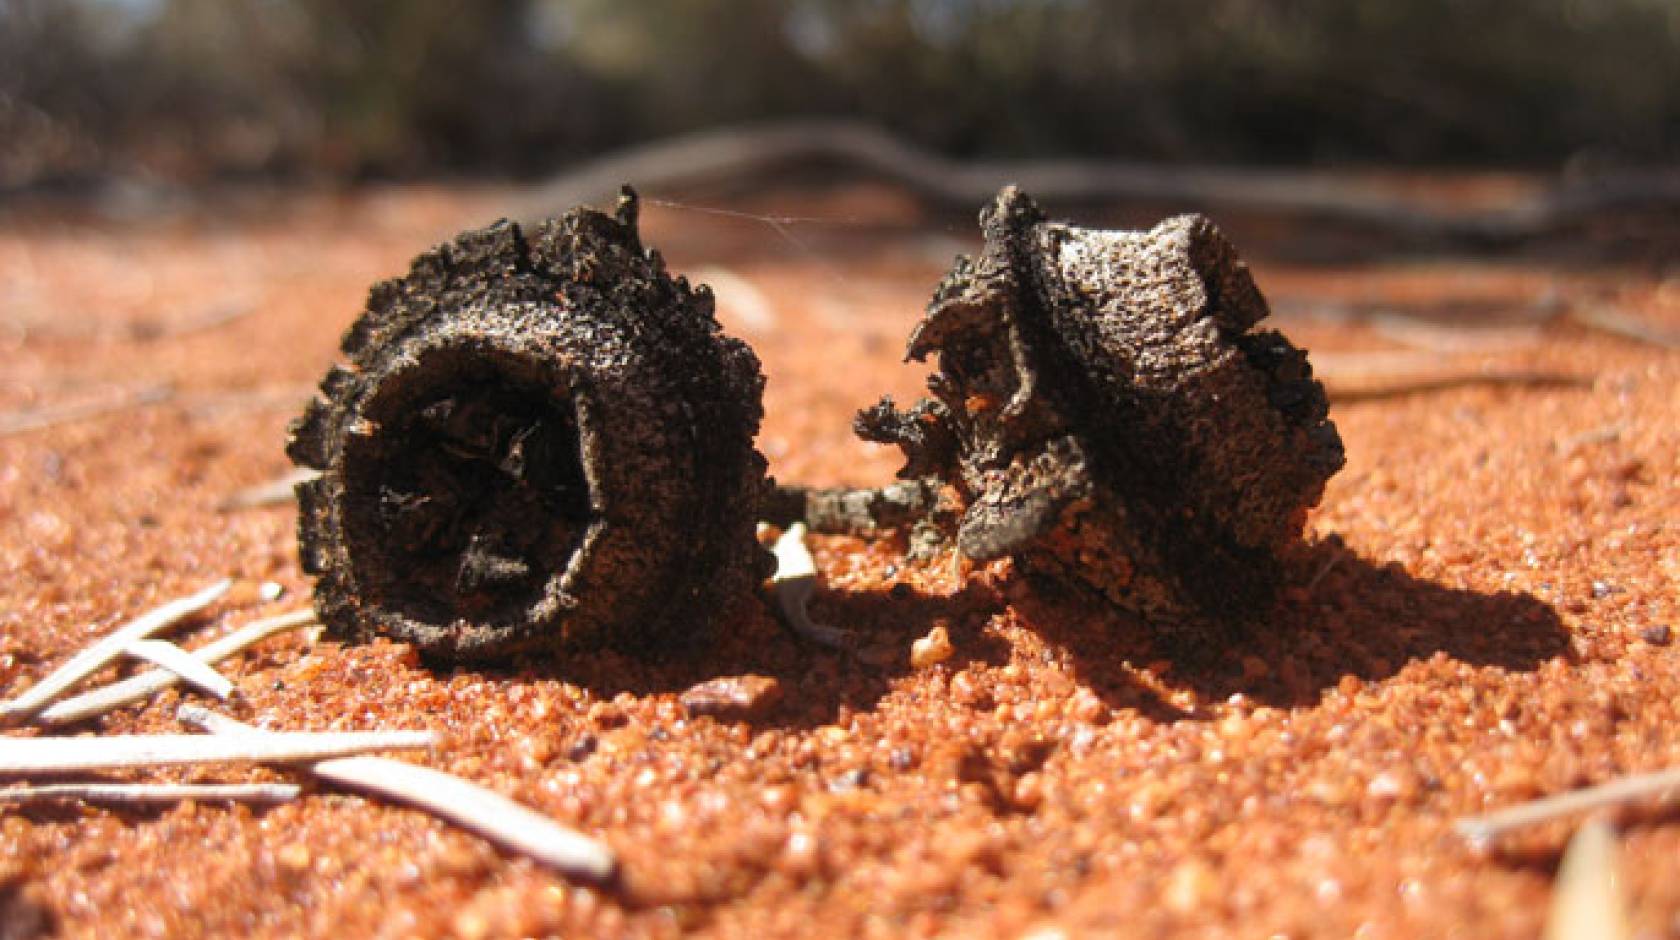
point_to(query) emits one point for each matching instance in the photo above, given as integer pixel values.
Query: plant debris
(28, 756)
(1587, 898)
(491, 815)
(1481, 830)
(141, 794)
(108, 648)
(1109, 416)
(146, 684)
(186, 667)
(538, 439)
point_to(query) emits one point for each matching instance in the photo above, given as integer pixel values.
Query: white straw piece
(145, 685)
(794, 583)
(1481, 830)
(1588, 900)
(277, 492)
(142, 794)
(186, 667)
(502, 821)
(21, 757)
(108, 648)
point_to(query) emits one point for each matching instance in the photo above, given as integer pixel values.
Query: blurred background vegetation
(194, 90)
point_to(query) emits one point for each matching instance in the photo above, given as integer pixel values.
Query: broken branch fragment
(491, 815)
(1109, 416)
(540, 438)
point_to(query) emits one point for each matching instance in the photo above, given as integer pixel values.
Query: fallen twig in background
(108, 648)
(36, 419)
(1587, 897)
(210, 318)
(28, 756)
(489, 814)
(1481, 830)
(146, 684)
(794, 582)
(1621, 325)
(752, 152)
(141, 794)
(1349, 377)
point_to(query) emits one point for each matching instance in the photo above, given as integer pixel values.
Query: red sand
(1493, 570)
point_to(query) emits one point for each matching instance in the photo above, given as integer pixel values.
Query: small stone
(1657, 635)
(294, 858)
(734, 698)
(931, 649)
(1190, 887)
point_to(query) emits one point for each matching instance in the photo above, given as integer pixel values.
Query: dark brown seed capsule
(536, 440)
(1108, 413)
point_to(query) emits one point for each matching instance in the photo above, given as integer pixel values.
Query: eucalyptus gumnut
(1105, 412)
(538, 439)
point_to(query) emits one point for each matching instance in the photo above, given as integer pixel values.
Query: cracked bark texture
(1110, 416)
(538, 439)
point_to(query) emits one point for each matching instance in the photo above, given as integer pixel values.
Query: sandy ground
(1484, 614)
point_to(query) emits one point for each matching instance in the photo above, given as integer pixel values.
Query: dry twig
(276, 492)
(1587, 899)
(1483, 829)
(22, 757)
(140, 794)
(1615, 323)
(36, 419)
(751, 152)
(102, 652)
(491, 815)
(135, 688)
(186, 667)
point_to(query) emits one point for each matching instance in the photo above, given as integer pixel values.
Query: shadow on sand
(1342, 616)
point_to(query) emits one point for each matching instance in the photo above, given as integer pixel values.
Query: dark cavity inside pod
(536, 441)
(1106, 412)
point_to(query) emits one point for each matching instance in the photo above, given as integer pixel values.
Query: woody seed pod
(1106, 413)
(536, 441)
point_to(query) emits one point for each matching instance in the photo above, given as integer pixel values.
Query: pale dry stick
(40, 418)
(794, 582)
(108, 648)
(1349, 377)
(739, 297)
(1587, 898)
(21, 757)
(485, 812)
(142, 794)
(275, 492)
(186, 667)
(146, 684)
(1480, 830)
(1623, 326)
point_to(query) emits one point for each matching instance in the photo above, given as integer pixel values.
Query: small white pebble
(931, 649)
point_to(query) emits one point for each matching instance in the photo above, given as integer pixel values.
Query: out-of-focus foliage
(189, 88)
